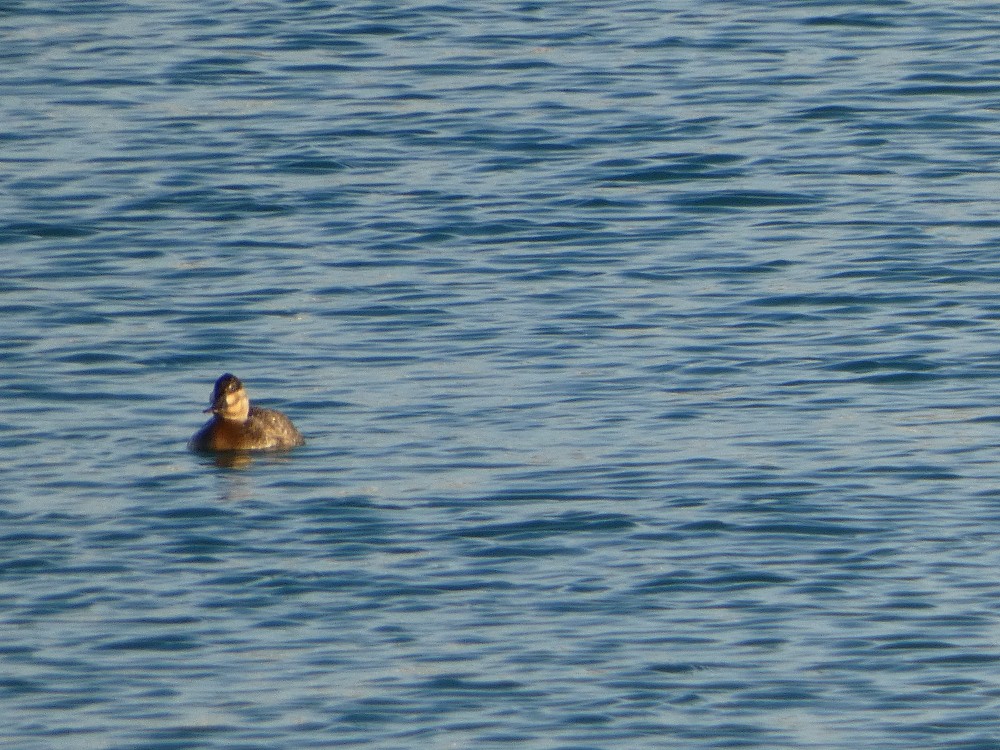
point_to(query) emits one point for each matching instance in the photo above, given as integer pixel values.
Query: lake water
(646, 351)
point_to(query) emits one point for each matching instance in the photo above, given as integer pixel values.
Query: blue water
(647, 354)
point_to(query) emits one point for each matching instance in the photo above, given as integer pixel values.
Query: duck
(238, 425)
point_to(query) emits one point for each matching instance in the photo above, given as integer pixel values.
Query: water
(646, 353)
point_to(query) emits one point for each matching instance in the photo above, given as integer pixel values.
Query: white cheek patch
(236, 406)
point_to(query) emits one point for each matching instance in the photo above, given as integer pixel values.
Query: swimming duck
(238, 425)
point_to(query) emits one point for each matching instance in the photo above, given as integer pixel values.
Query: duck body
(237, 425)
(263, 429)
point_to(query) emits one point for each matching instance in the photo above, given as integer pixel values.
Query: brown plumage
(238, 425)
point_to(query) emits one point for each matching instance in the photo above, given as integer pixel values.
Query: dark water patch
(90, 359)
(681, 170)
(468, 685)
(834, 113)
(746, 580)
(678, 668)
(913, 471)
(851, 20)
(847, 301)
(218, 318)
(216, 205)
(947, 89)
(204, 547)
(214, 70)
(888, 268)
(24, 565)
(310, 165)
(518, 551)
(540, 494)
(741, 199)
(907, 363)
(809, 529)
(901, 378)
(960, 660)
(194, 513)
(22, 231)
(705, 527)
(916, 645)
(421, 597)
(908, 605)
(16, 687)
(677, 581)
(389, 311)
(168, 643)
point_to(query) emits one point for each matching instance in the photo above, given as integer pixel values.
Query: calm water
(647, 353)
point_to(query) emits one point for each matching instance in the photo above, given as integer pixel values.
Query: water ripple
(643, 356)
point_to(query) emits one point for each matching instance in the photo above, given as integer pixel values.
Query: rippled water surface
(646, 351)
